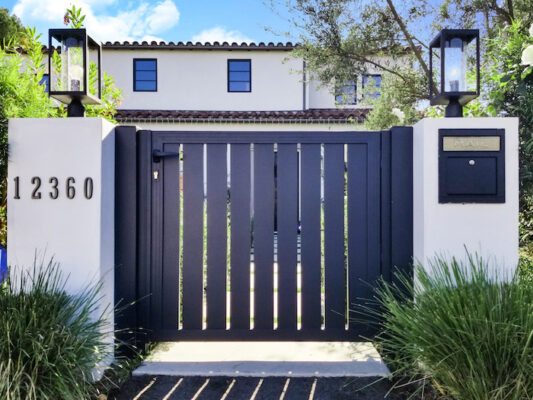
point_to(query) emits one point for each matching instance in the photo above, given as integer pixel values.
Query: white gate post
(61, 187)
(490, 230)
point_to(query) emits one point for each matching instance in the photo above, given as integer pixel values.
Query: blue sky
(168, 20)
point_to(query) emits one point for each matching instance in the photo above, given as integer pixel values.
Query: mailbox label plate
(471, 143)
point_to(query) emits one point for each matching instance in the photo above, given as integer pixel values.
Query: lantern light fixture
(70, 78)
(456, 82)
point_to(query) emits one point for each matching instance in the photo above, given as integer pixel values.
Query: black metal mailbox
(471, 166)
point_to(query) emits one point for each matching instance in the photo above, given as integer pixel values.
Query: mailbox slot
(471, 166)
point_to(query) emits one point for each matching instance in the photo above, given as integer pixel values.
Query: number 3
(55, 194)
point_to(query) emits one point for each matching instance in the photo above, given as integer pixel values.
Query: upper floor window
(346, 93)
(45, 80)
(373, 85)
(239, 75)
(145, 75)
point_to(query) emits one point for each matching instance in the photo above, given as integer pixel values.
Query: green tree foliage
(23, 96)
(10, 26)
(488, 14)
(342, 39)
(510, 83)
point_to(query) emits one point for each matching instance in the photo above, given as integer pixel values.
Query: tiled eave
(314, 116)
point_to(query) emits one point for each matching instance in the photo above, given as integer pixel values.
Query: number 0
(88, 188)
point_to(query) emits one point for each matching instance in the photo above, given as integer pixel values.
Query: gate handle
(157, 155)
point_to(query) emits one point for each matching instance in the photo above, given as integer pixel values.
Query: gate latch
(157, 155)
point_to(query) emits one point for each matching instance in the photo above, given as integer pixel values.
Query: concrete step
(264, 359)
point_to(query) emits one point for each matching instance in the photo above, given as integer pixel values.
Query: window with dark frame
(367, 79)
(239, 75)
(346, 93)
(145, 75)
(45, 80)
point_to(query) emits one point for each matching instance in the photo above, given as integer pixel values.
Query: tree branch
(409, 38)
(376, 64)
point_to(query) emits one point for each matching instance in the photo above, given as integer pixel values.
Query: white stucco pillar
(61, 201)
(490, 230)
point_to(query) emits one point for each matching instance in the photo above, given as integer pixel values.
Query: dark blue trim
(482, 182)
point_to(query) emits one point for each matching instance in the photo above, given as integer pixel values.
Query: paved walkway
(265, 359)
(220, 388)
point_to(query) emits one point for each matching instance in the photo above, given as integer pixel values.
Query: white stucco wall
(197, 80)
(78, 232)
(490, 230)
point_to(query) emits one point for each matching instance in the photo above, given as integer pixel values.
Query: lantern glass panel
(56, 81)
(454, 65)
(435, 72)
(72, 64)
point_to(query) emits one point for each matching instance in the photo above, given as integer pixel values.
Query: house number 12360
(55, 188)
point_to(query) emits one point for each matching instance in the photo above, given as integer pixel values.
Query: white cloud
(220, 34)
(139, 22)
(164, 16)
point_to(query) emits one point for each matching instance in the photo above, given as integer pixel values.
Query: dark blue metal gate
(260, 235)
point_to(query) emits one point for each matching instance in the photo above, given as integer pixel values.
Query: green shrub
(50, 341)
(468, 333)
(525, 265)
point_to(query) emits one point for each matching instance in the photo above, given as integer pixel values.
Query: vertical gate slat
(240, 182)
(357, 223)
(386, 269)
(311, 249)
(373, 271)
(287, 200)
(373, 233)
(335, 275)
(171, 224)
(216, 235)
(156, 259)
(263, 236)
(193, 204)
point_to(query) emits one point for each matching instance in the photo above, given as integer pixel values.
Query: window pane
(375, 78)
(348, 90)
(239, 76)
(145, 85)
(346, 93)
(145, 75)
(239, 86)
(239, 65)
(372, 81)
(46, 81)
(145, 65)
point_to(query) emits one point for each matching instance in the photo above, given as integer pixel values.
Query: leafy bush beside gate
(49, 340)
(467, 334)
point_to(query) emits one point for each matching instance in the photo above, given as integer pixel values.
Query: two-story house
(222, 86)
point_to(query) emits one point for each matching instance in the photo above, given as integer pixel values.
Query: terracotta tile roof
(191, 46)
(334, 116)
(199, 45)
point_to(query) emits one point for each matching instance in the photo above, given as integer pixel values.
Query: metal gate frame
(134, 244)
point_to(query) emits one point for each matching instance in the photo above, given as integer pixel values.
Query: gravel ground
(220, 388)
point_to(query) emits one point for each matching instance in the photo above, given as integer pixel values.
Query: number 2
(36, 194)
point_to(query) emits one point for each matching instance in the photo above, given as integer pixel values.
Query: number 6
(71, 190)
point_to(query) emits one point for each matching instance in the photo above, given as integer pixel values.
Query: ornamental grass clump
(462, 328)
(50, 341)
